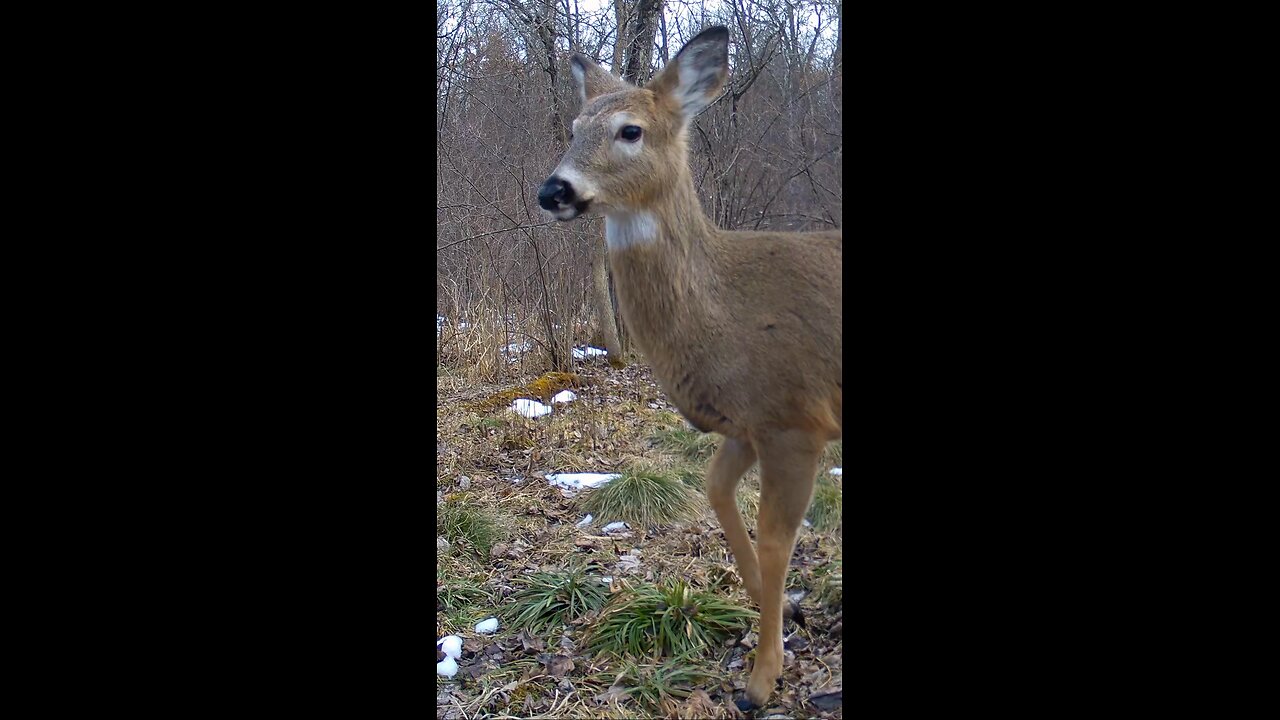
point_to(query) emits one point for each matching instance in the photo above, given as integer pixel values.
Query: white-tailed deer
(742, 329)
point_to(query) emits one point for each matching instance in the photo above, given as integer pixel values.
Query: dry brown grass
(610, 426)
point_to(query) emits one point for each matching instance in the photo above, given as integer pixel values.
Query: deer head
(629, 143)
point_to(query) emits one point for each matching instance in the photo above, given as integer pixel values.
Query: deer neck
(662, 270)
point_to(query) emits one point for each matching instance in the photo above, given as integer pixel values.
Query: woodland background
(767, 154)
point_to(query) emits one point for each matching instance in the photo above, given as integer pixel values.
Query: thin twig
(495, 232)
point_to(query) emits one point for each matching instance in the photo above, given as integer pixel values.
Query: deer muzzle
(558, 197)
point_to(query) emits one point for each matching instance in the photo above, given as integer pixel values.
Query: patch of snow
(588, 352)
(530, 408)
(837, 471)
(487, 626)
(616, 527)
(606, 579)
(807, 523)
(518, 347)
(585, 521)
(564, 396)
(577, 481)
(452, 646)
(447, 667)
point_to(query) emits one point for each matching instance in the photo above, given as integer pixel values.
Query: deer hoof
(744, 704)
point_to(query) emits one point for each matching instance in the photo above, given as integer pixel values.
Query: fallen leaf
(530, 643)
(828, 700)
(614, 694)
(697, 705)
(559, 666)
(814, 676)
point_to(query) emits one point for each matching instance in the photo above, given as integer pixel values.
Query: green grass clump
(455, 591)
(656, 688)
(671, 619)
(687, 443)
(825, 511)
(829, 582)
(642, 497)
(549, 599)
(693, 476)
(466, 526)
(462, 595)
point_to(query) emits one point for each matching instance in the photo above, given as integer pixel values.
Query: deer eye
(630, 133)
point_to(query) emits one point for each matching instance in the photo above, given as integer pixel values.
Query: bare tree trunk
(620, 18)
(545, 26)
(606, 314)
(641, 32)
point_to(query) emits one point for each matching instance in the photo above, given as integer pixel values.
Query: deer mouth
(565, 212)
(573, 210)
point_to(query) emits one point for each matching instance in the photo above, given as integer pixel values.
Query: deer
(742, 329)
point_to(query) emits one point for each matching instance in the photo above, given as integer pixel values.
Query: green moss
(543, 389)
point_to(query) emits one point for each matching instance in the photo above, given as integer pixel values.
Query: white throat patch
(625, 229)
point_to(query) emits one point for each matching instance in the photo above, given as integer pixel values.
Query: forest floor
(508, 523)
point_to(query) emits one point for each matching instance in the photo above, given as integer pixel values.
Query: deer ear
(590, 79)
(695, 76)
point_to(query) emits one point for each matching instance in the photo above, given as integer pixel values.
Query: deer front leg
(732, 460)
(788, 464)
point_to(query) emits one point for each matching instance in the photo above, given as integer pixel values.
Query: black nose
(554, 193)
